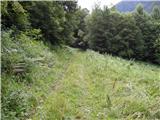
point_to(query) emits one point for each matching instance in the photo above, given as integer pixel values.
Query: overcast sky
(90, 3)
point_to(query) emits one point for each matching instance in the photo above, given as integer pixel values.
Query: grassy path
(64, 83)
(97, 87)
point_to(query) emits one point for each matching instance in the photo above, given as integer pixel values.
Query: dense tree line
(57, 20)
(129, 35)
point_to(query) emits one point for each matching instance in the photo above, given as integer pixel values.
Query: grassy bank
(66, 83)
(98, 86)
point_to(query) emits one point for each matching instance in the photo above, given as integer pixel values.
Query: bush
(13, 14)
(14, 105)
(18, 50)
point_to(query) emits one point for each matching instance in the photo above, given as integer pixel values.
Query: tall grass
(104, 87)
(66, 83)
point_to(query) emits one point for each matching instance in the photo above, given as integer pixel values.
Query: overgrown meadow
(66, 83)
(60, 62)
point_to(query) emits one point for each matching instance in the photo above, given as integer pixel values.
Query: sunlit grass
(67, 84)
(104, 87)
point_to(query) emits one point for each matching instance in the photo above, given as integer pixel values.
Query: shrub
(14, 105)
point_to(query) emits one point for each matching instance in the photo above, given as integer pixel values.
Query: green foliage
(13, 13)
(56, 19)
(128, 42)
(80, 31)
(71, 22)
(14, 105)
(139, 9)
(21, 92)
(95, 36)
(121, 38)
(150, 31)
(42, 16)
(156, 13)
(35, 34)
(157, 50)
(15, 50)
(130, 35)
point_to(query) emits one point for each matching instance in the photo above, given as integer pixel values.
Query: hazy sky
(90, 3)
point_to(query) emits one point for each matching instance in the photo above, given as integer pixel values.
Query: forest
(63, 62)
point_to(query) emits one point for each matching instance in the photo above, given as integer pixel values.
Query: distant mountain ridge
(129, 6)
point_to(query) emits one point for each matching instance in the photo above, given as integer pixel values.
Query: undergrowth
(23, 92)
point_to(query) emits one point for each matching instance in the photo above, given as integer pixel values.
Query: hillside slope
(98, 86)
(129, 6)
(67, 83)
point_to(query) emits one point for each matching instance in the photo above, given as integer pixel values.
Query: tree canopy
(128, 35)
